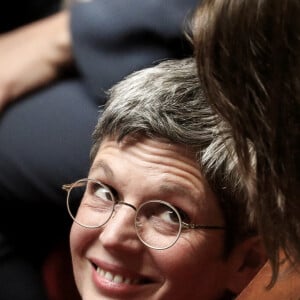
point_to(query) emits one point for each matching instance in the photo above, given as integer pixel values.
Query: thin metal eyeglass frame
(182, 225)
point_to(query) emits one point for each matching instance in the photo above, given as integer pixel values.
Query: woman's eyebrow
(171, 188)
(104, 167)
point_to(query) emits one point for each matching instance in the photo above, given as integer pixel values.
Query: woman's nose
(119, 232)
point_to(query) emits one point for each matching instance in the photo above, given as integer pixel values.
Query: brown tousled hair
(248, 56)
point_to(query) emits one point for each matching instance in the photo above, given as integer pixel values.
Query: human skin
(33, 55)
(194, 268)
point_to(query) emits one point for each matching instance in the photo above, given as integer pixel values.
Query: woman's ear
(245, 260)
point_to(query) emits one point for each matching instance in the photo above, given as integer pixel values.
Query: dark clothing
(45, 141)
(118, 37)
(45, 138)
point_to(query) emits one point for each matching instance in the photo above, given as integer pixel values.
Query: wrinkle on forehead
(172, 160)
(158, 151)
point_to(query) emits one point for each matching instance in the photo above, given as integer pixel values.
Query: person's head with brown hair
(248, 56)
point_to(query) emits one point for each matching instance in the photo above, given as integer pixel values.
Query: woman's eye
(169, 216)
(102, 192)
(183, 215)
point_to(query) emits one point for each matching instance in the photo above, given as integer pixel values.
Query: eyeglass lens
(157, 224)
(91, 205)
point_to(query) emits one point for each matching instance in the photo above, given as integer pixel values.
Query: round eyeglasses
(158, 224)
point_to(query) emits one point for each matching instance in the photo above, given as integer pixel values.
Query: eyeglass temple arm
(195, 226)
(66, 187)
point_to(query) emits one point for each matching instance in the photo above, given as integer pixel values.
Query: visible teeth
(115, 278)
(118, 279)
(109, 276)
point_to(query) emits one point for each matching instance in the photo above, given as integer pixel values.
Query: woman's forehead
(168, 168)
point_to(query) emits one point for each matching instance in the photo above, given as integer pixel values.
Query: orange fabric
(287, 286)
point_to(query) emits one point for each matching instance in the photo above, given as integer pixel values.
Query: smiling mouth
(120, 279)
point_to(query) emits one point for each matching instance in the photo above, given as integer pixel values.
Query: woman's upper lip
(123, 271)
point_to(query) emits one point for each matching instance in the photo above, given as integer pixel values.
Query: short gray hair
(167, 101)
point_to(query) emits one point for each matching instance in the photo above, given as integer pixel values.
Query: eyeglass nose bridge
(122, 203)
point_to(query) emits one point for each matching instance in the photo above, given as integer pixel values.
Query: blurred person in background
(52, 77)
